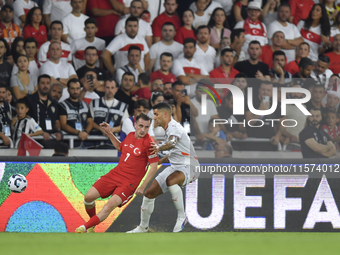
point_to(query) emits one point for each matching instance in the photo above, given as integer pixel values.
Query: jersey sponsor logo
(137, 151)
(123, 194)
(311, 36)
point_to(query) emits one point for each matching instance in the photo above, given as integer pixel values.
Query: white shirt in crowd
(322, 78)
(61, 70)
(253, 35)
(120, 45)
(213, 5)
(227, 5)
(57, 9)
(128, 127)
(334, 31)
(78, 50)
(155, 8)
(182, 66)
(21, 7)
(200, 20)
(74, 26)
(43, 55)
(120, 72)
(207, 58)
(312, 37)
(32, 69)
(291, 32)
(144, 28)
(158, 48)
(203, 120)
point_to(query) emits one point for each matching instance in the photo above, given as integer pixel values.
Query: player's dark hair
(324, 58)
(131, 19)
(141, 102)
(143, 116)
(30, 40)
(177, 83)
(74, 80)
(225, 50)
(189, 40)
(305, 62)
(43, 76)
(175, 1)
(278, 53)
(315, 109)
(23, 101)
(236, 32)
(155, 95)
(57, 22)
(21, 55)
(167, 54)
(254, 42)
(129, 74)
(3, 85)
(134, 47)
(241, 75)
(163, 106)
(90, 21)
(90, 48)
(168, 24)
(144, 78)
(110, 79)
(61, 148)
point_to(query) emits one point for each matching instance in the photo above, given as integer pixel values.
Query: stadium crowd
(67, 66)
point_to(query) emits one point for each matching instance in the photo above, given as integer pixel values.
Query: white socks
(146, 211)
(177, 198)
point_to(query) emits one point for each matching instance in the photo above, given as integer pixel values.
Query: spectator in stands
(269, 12)
(292, 34)
(215, 136)
(332, 10)
(30, 47)
(335, 28)
(74, 23)
(107, 13)
(334, 55)
(56, 91)
(88, 94)
(5, 67)
(91, 58)
(9, 30)
(21, 9)
(134, 58)
(201, 17)
(144, 87)
(225, 112)
(225, 70)
(34, 26)
(237, 39)
(253, 67)
(263, 101)
(6, 116)
(332, 101)
(157, 86)
(56, 31)
(44, 110)
(23, 83)
(9, 96)
(60, 72)
(219, 27)
(278, 70)
(254, 28)
(60, 150)
(120, 45)
(136, 9)
(108, 109)
(124, 92)
(331, 127)
(224, 43)
(169, 15)
(224, 151)
(203, 49)
(79, 46)
(75, 114)
(317, 94)
(321, 73)
(239, 12)
(187, 30)
(186, 68)
(268, 50)
(18, 48)
(211, 6)
(55, 10)
(315, 30)
(240, 81)
(167, 90)
(22, 123)
(163, 73)
(306, 67)
(167, 44)
(315, 143)
(300, 10)
(302, 52)
(291, 134)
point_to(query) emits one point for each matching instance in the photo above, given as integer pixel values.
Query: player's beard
(168, 96)
(313, 123)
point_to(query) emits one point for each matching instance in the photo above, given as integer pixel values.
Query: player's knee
(89, 198)
(149, 194)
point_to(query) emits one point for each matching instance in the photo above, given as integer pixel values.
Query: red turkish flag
(28, 146)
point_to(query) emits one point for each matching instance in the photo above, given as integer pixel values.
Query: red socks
(92, 222)
(91, 212)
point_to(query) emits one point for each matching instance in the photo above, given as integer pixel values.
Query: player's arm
(171, 143)
(105, 128)
(148, 178)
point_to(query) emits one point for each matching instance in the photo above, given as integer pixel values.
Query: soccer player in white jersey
(183, 160)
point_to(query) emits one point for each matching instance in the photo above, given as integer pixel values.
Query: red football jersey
(165, 78)
(334, 65)
(135, 159)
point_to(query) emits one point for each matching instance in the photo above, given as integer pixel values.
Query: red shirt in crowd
(334, 65)
(218, 73)
(142, 93)
(292, 67)
(267, 56)
(165, 78)
(106, 24)
(160, 20)
(183, 34)
(40, 35)
(300, 9)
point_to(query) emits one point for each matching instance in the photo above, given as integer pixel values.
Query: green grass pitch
(169, 243)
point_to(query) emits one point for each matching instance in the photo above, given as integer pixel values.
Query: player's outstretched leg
(113, 202)
(90, 204)
(147, 207)
(174, 181)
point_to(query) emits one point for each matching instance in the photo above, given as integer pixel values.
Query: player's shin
(90, 208)
(146, 211)
(177, 198)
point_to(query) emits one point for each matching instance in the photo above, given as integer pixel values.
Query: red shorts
(107, 185)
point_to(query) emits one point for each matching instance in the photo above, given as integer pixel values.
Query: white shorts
(188, 170)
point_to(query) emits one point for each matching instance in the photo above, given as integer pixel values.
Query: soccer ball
(17, 183)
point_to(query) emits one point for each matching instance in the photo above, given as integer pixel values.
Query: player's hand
(140, 190)
(105, 128)
(154, 148)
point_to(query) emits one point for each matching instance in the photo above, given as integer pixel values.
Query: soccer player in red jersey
(122, 181)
